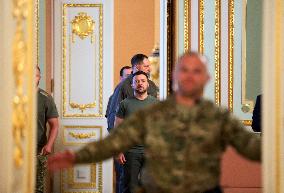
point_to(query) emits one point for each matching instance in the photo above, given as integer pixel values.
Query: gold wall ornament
(83, 26)
(82, 107)
(19, 63)
(71, 175)
(82, 135)
(64, 60)
(246, 108)
(154, 59)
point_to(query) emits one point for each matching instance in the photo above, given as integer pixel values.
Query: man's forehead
(139, 76)
(192, 60)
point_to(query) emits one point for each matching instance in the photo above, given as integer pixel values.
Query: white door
(83, 64)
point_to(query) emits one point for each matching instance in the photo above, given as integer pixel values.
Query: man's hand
(61, 160)
(121, 159)
(46, 150)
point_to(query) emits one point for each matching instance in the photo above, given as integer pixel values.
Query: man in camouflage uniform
(46, 113)
(184, 137)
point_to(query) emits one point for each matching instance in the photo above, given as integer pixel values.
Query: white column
(273, 68)
(6, 85)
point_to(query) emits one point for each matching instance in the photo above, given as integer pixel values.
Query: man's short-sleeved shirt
(46, 109)
(131, 105)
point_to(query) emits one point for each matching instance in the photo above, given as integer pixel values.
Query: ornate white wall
(83, 65)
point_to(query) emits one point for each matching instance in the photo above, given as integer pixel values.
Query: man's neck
(187, 100)
(141, 96)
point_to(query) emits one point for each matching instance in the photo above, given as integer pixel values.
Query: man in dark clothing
(133, 159)
(110, 115)
(256, 116)
(139, 62)
(125, 71)
(46, 113)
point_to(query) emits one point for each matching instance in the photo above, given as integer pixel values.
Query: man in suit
(256, 116)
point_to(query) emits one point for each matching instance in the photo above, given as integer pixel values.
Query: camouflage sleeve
(246, 143)
(128, 134)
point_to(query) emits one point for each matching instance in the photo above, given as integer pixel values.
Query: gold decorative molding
(231, 52)
(82, 107)
(187, 25)
(217, 56)
(20, 100)
(201, 26)
(82, 135)
(96, 170)
(247, 122)
(83, 26)
(247, 105)
(278, 108)
(92, 184)
(155, 65)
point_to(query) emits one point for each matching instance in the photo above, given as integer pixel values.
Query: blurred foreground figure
(184, 137)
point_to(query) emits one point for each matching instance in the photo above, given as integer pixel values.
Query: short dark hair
(137, 59)
(122, 69)
(139, 73)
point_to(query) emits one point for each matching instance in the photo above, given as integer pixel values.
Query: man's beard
(141, 91)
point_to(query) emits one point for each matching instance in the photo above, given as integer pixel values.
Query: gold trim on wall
(83, 26)
(98, 185)
(64, 50)
(278, 93)
(201, 26)
(247, 105)
(81, 135)
(231, 52)
(187, 25)
(20, 65)
(83, 185)
(37, 30)
(217, 57)
(66, 127)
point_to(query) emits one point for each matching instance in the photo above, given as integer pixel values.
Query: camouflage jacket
(183, 146)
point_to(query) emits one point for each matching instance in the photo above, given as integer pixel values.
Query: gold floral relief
(20, 99)
(83, 26)
(82, 135)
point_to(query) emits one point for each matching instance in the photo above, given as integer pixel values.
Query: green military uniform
(46, 109)
(183, 146)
